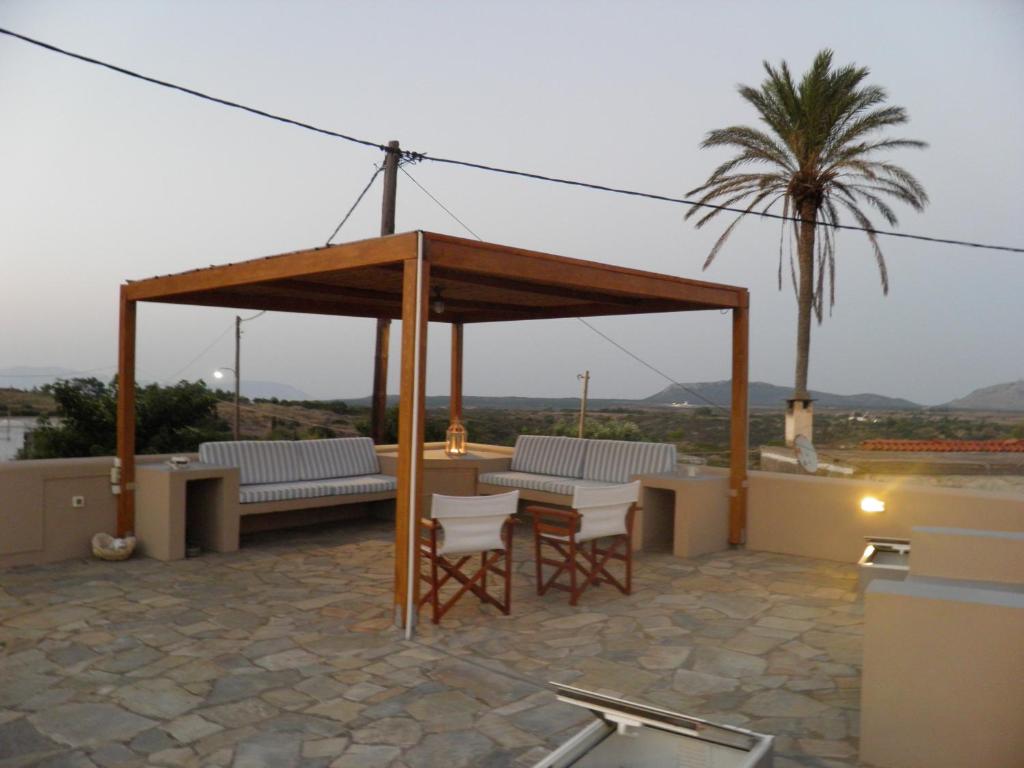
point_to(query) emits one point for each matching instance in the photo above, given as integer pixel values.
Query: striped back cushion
(616, 461)
(258, 461)
(544, 455)
(337, 457)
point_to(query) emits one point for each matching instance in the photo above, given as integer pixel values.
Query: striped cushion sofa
(549, 468)
(280, 475)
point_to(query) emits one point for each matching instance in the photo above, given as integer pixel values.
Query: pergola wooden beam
(411, 421)
(455, 394)
(516, 264)
(390, 277)
(126, 416)
(364, 253)
(739, 426)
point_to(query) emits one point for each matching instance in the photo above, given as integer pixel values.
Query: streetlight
(219, 373)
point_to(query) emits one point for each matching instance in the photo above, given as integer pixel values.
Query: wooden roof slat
(464, 255)
(381, 250)
(479, 282)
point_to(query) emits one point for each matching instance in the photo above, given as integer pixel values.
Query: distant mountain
(264, 390)
(764, 395)
(27, 377)
(511, 403)
(1000, 397)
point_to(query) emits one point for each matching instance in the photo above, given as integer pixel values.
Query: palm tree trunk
(805, 296)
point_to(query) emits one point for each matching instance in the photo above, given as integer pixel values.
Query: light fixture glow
(871, 504)
(437, 302)
(455, 439)
(218, 374)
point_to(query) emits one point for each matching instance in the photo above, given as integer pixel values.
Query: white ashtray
(179, 462)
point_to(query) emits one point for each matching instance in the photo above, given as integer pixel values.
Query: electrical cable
(441, 205)
(588, 325)
(206, 349)
(661, 373)
(422, 156)
(359, 199)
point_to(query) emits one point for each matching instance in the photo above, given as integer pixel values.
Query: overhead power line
(440, 205)
(603, 335)
(173, 377)
(417, 156)
(359, 199)
(658, 371)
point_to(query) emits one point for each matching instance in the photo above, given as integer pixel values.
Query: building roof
(477, 282)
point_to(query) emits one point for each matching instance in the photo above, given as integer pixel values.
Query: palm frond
(818, 145)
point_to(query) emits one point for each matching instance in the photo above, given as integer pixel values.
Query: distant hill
(27, 377)
(511, 403)
(263, 389)
(1000, 397)
(764, 395)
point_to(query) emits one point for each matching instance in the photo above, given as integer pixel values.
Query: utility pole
(238, 373)
(379, 398)
(585, 378)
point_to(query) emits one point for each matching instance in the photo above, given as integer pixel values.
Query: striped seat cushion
(315, 489)
(258, 461)
(617, 461)
(563, 486)
(546, 455)
(337, 457)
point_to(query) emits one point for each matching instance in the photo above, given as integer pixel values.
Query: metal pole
(585, 378)
(238, 371)
(378, 400)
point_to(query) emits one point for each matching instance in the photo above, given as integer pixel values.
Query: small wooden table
(201, 499)
(449, 476)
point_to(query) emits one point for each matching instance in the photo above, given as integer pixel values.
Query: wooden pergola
(400, 277)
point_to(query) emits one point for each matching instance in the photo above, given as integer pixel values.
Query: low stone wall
(809, 516)
(821, 517)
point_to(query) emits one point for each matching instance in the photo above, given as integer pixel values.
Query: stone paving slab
(283, 654)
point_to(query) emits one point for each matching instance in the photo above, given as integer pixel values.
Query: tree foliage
(168, 420)
(821, 156)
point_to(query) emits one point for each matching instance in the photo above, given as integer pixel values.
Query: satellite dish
(806, 456)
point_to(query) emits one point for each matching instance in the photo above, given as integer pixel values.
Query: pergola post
(738, 433)
(379, 399)
(411, 420)
(455, 399)
(126, 416)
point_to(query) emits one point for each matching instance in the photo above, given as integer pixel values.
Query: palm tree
(819, 157)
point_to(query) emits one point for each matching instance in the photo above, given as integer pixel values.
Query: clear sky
(106, 179)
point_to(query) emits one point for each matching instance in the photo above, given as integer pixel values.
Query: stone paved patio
(283, 654)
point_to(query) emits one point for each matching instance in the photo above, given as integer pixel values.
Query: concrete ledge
(967, 554)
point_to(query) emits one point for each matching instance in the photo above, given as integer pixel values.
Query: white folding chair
(468, 525)
(598, 513)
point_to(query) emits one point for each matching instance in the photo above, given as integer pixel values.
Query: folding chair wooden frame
(442, 568)
(585, 563)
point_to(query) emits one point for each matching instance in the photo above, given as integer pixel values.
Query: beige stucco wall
(971, 555)
(38, 523)
(821, 517)
(943, 679)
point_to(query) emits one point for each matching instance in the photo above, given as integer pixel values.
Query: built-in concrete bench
(548, 469)
(283, 475)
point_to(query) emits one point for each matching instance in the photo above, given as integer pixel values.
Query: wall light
(872, 505)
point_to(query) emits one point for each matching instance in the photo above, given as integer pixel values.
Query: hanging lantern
(455, 439)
